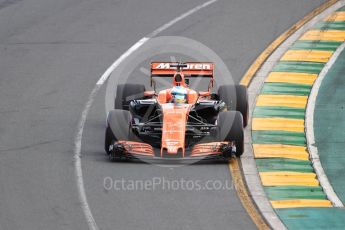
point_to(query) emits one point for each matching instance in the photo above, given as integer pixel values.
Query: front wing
(140, 150)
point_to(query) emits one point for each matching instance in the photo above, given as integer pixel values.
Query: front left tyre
(118, 129)
(235, 98)
(230, 126)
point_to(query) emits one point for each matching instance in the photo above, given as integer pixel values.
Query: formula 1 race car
(177, 122)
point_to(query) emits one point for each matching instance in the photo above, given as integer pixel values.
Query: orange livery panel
(174, 128)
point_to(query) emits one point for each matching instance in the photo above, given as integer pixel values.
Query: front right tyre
(230, 126)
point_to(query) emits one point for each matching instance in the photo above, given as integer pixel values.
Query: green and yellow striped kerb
(278, 131)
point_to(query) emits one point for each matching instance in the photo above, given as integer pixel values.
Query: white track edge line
(309, 121)
(79, 135)
(142, 41)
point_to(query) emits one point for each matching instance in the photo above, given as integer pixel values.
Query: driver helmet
(179, 95)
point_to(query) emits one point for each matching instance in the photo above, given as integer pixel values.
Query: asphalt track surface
(52, 54)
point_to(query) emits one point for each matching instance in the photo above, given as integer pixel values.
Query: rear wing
(192, 69)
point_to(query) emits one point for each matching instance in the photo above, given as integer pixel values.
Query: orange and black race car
(177, 122)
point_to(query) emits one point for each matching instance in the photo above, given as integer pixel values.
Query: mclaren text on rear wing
(168, 69)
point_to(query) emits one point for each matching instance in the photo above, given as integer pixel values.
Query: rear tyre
(125, 93)
(237, 100)
(230, 125)
(118, 129)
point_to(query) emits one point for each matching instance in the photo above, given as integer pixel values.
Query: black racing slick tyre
(125, 93)
(235, 98)
(118, 128)
(230, 125)
(109, 139)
